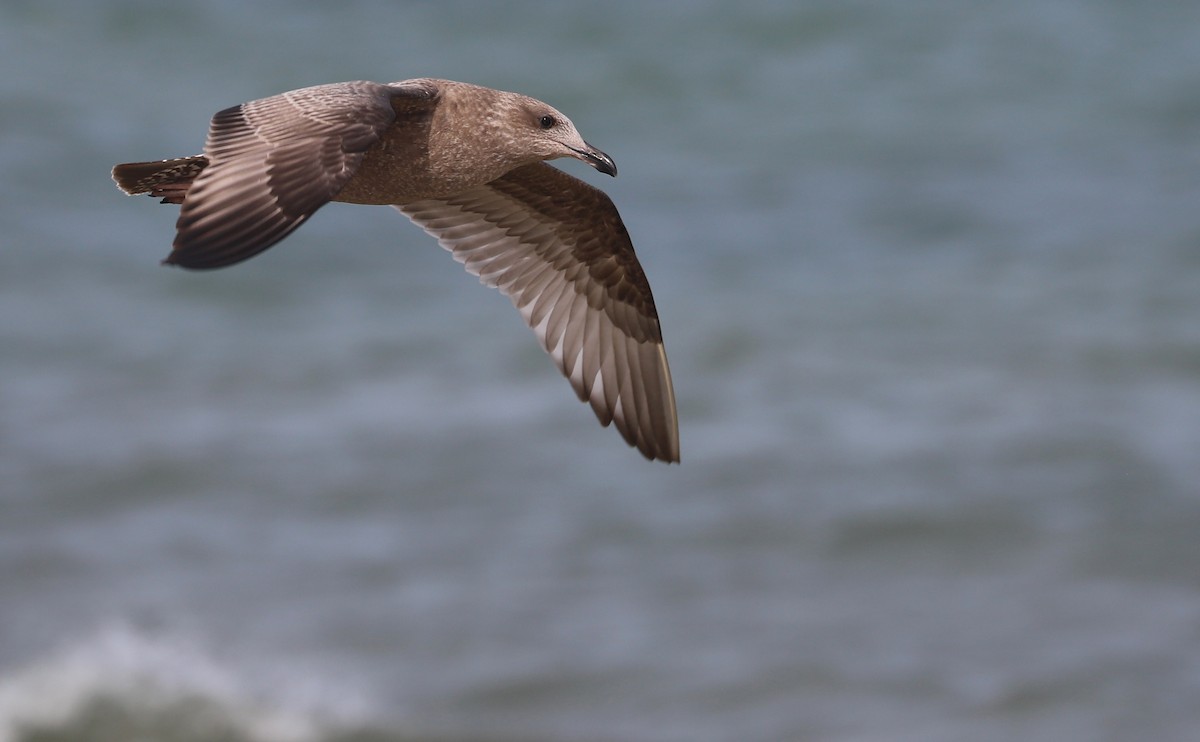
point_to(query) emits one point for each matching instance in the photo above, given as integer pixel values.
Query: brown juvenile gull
(465, 163)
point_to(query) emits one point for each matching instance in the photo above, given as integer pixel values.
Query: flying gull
(465, 163)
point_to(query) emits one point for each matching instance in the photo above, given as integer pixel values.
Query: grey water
(929, 278)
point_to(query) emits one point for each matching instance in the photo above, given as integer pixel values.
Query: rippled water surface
(929, 278)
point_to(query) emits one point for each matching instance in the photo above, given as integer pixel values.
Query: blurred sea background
(929, 278)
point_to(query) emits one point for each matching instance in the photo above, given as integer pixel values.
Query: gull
(466, 164)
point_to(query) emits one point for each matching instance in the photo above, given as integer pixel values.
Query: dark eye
(547, 122)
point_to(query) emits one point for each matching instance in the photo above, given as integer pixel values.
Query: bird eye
(547, 122)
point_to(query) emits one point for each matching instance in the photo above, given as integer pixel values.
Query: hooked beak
(596, 159)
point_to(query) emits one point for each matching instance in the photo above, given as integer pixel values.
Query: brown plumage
(464, 163)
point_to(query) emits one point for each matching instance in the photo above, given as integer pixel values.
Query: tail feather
(165, 179)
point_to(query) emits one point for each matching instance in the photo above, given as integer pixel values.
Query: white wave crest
(145, 671)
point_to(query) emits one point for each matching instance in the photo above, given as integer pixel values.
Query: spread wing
(557, 248)
(273, 162)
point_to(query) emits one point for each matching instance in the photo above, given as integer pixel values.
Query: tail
(165, 179)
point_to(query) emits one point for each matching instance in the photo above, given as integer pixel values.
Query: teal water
(929, 277)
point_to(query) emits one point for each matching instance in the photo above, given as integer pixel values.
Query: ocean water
(929, 278)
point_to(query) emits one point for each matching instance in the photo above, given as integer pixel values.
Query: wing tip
(664, 451)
